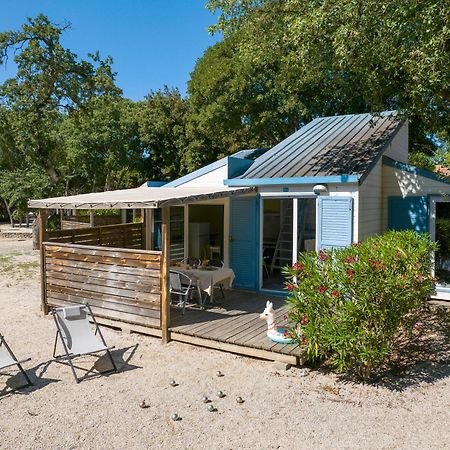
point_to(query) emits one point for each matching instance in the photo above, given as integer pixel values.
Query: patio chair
(218, 263)
(8, 359)
(78, 336)
(182, 286)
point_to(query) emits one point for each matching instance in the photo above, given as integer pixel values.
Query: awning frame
(59, 203)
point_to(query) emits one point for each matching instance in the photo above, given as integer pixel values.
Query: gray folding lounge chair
(78, 336)
(8, 359)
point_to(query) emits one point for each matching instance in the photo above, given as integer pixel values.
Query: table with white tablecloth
(206, 278)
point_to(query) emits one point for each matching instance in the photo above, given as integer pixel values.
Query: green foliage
(101, 145)
(349, 304)
(347, 56)
(162, 119)
(443, 231)
(422, 160)
(50, 81)
(19, 185)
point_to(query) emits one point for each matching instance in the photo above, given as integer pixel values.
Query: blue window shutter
(335, 227)
(409, 213)
(244, 237)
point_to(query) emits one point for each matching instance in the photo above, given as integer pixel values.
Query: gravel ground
(295, 409)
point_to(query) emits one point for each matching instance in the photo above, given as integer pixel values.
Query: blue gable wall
(409, 213)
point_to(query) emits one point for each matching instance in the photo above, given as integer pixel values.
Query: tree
(102, 147)
(162, 119)
(342, 56)
(50, 85)
(50, 82)
(236, 105)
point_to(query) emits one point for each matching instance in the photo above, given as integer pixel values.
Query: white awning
(142, 197)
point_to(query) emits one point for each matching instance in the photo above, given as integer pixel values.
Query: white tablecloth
(206, 279)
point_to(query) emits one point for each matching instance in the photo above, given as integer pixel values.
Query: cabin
(336, 181)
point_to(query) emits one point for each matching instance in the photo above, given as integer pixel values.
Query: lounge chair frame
(68, 355)
(16, 362)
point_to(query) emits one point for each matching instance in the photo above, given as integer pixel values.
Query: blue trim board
(442, 289)
(415, 170)
(273, 292)
(237, 166)
(156, 183)
(288, 181)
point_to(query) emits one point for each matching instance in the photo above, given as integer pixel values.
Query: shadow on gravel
(15, 382)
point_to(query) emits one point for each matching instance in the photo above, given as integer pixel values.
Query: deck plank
(235, 323)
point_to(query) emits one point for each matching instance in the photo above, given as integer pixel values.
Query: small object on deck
(175, 417)
(276, 334)
(205, 399)
(219, 373)
(173, 383)
(211, 408)
(143, 404)
(220, 394)
(239, 400)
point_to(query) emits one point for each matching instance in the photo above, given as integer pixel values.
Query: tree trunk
(8, 211)
(35, 233)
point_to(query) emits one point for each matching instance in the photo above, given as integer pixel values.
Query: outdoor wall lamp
(320, 189)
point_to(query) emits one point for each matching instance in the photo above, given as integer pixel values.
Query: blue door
(244, 233)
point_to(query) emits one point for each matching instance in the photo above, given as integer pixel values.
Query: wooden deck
(235, 326)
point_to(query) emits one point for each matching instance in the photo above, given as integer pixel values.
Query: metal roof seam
(355, 124)
(291, 148)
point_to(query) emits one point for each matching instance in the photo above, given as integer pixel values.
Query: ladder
(282, 254)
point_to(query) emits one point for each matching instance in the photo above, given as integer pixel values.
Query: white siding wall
(213, 178)
(396, 182)
(371, 193)
(371, 204)
(398, 148)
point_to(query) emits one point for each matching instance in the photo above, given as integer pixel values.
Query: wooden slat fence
(119, 284)
(70, 222)
(128, 235)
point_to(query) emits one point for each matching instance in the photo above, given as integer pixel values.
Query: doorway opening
(288, 228)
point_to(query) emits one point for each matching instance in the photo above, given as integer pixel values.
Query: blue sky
(153, 42)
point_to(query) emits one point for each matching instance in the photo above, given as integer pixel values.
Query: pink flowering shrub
(348, 304)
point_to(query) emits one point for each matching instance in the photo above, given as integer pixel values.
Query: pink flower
(349, 259)
(357, 244)
(290, 287)
(376, 264)
(335, 294)
(323, 255)
(322, 289)
(298, 266)
(304, 320)
(303, 339)
(350, 273)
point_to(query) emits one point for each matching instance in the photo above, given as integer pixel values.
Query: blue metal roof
(328, 146)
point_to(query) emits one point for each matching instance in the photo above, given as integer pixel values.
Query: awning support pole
(165, 270)
(42, 218)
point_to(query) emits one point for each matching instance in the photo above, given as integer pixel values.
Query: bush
(349, 304)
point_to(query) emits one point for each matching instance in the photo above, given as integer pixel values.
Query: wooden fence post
(165, 268)
(42, 238)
